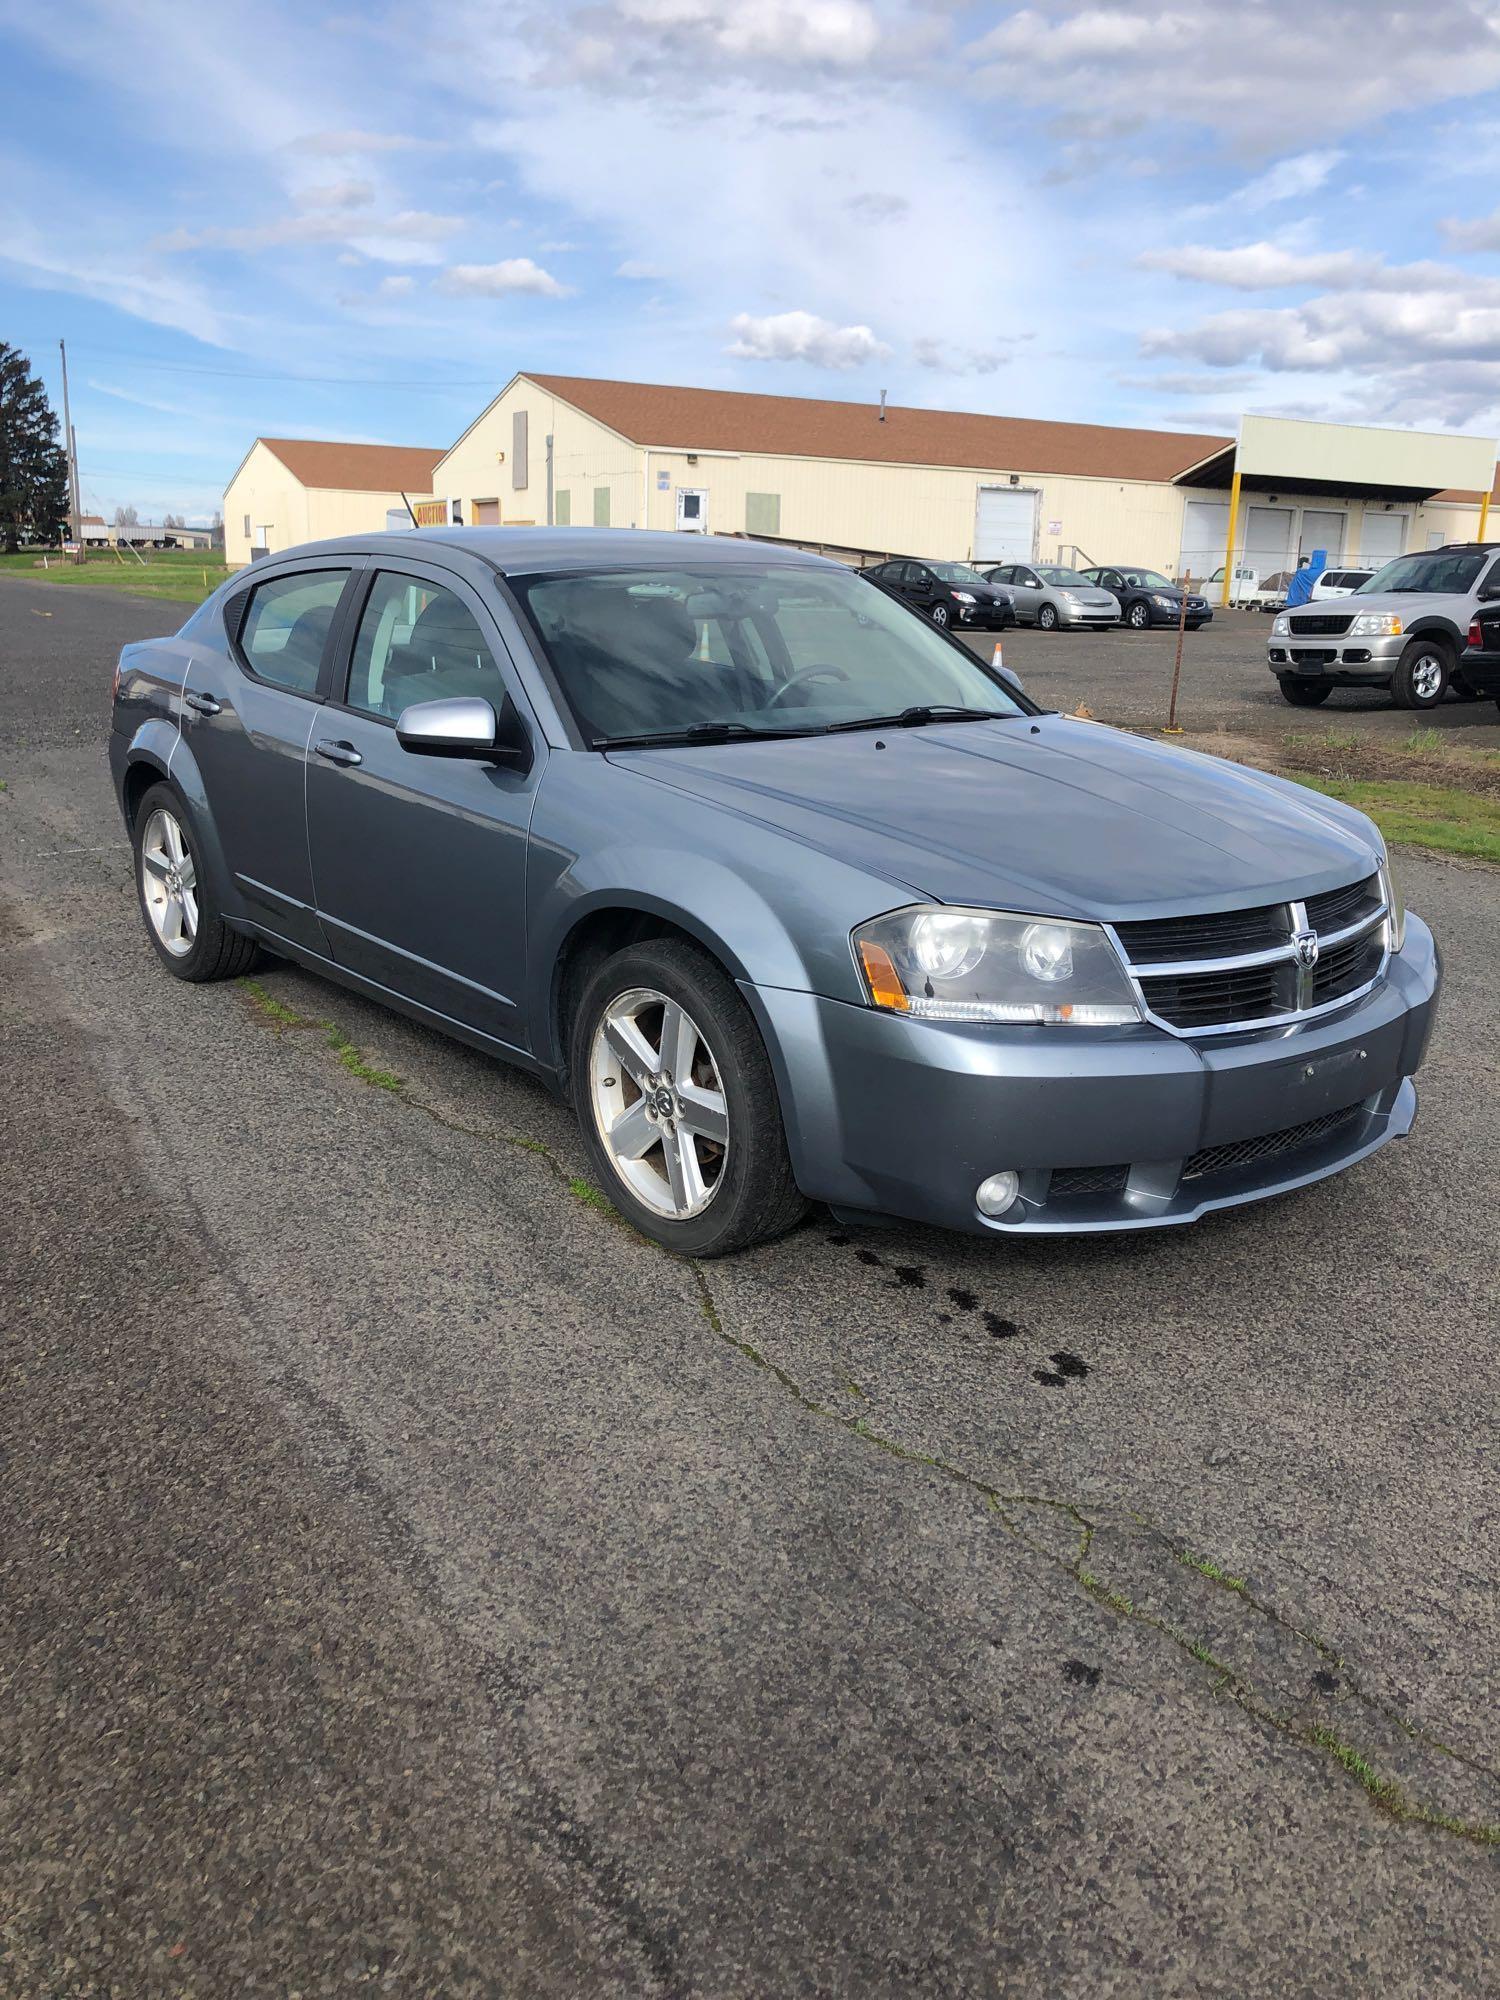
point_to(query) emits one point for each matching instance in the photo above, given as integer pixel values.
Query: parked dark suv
(1481, 663)
(949, 593)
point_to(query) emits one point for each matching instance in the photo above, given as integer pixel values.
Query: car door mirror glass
(1011, 679)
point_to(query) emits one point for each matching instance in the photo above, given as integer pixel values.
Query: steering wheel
(800, 679)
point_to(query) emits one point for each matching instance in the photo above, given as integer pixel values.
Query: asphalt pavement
(413, 1582)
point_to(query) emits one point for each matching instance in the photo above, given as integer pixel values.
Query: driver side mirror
(1011, 679)
(465, 726)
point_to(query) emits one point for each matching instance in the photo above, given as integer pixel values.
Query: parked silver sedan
(1049, 595)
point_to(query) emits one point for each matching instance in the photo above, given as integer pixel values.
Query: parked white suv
(1339, 583)
(1405, 629)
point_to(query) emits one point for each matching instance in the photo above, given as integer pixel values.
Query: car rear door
(250, 706)
(420, 861)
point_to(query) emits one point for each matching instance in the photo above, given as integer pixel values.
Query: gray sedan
(1049, 595)
(789, 895)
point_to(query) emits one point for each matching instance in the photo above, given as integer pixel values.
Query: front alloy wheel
(659, 1103)
(940, 614)
(1421, 676)
(1046, 618)
(1138, 617)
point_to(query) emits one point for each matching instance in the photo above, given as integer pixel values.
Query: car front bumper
(985, 617)
(1086, 614)
(1110, 1129)
(1343, 661)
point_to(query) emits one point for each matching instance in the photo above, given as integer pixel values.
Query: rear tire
(742, 1189)
(1422, 675)
(1303, 694)
(178, 904)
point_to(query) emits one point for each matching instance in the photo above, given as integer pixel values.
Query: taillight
(1476, 634)
(114, 685)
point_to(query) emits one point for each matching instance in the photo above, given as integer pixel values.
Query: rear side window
(286, 627)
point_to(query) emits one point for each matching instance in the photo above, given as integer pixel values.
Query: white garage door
(1268, 539)
(1004, 525)
(1323, 529)
(1205, 527)
(1382, 538)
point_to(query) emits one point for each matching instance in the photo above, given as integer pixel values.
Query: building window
(762, 513)
(562, 508)
(518, 452)
(601, 506)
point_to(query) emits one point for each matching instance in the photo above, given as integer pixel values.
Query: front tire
(940, 615)
(177, 900)
(1421, 676)
(1303, 694)
(1046, 618)
(677, 1103)
(1138, 617)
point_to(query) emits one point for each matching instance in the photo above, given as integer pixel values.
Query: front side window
(755, 649)
(286, 627)
(418, 642)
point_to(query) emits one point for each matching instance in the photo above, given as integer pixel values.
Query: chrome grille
(1234, 969)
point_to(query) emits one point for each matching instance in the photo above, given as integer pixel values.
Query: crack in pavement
(1011, 1509)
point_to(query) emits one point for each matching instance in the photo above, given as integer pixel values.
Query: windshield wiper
(922, 712)
(695, 732)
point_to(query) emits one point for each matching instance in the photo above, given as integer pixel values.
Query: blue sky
(302, 221)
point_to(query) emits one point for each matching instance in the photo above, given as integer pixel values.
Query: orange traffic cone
(998, 658)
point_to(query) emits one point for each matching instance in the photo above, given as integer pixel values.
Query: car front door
(251, 703)
(420, 861)
(1028, 590)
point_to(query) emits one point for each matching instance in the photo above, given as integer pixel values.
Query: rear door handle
(202, 704)
(338, 753)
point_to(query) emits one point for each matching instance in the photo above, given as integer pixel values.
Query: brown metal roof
(357, 468)
(803, 427)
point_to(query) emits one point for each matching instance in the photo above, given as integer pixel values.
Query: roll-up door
(1005, 525)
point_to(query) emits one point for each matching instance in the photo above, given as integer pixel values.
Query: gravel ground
(413, 1582)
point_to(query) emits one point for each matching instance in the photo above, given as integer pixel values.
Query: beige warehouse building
(863, 481)
(290, 490)
(866, 482)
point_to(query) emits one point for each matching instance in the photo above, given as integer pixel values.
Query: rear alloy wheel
(1304, 694)
(1421, 676)
(940, 614)
(177, 901)
(1046, 618)
(677, 1102)
(1138, 617)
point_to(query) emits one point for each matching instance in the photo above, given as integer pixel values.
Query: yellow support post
(1234, 517)
(1484, 514)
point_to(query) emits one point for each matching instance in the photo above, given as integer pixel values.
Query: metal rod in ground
(1187, 584)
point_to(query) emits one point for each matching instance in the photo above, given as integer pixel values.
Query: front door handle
(338, 753)
(202, 704)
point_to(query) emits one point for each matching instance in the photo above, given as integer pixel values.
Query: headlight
(1281, 626)
(1070, 595)
(1166, 603)
(1376, 625)
(1395, 903)
(971, 965)
(963, 597)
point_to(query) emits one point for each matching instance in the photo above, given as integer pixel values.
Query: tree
(33, 464)
(126, 517)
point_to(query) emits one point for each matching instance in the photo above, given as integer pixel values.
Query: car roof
(524, 551)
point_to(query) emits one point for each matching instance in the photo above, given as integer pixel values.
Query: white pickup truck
(1245, 589)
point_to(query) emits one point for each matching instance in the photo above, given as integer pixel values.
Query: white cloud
(341, 145)
(1292, 179)
(870, 207)
(1252, 72)
(388, 237)
(634, 267)
(338, 194)
(1267, 267)
(494, 281)
(398, 286)
(943, 358)
(1480, 234)
(620, 43)
(802, 336)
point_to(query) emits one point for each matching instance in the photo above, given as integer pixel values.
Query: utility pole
(75, 524)
(549, 479)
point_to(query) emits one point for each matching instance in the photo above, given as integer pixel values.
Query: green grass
(1211, 1569)
(590, 1196)
(1425, 742)
(1434, 816)
(175, 576)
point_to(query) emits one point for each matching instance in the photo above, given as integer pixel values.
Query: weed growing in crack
(1207, 1567)
(590, 1196)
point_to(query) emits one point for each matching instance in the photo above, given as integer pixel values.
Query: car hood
(1041, 814)
(1410, 603)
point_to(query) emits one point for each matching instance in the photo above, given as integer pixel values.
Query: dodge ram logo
(1307, 948)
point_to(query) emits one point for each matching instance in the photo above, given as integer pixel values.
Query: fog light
(995, 1195)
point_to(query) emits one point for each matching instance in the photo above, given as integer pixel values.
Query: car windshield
(1068, 579)
(955, 573)
(1148, 579)
(1440, 572)
(746, 649)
